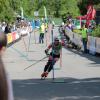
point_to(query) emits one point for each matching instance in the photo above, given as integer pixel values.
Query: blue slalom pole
(52, 55)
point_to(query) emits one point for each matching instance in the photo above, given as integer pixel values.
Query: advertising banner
(98, 45)
(9, 38)
(13, 36)
(92, 45)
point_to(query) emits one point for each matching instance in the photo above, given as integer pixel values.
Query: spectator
(3, 26)
(42, 31)
(90, 30)
(7, 29)
(69, 25)
(84, 37)
(13, 27)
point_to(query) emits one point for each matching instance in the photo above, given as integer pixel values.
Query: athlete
(54, 56)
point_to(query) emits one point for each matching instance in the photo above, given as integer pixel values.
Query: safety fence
(17, 34)
(22, 31)
(93, 44)
(12, 37)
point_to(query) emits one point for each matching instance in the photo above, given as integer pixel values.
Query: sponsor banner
(77, 39)
(13, 36)
(9, 38)
(98, 45)
(69, 33)
(17, 36)
(92, 45)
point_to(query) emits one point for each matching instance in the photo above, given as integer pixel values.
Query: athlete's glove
(46, 52)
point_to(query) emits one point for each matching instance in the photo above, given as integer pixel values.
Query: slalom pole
(61, 58)
(46, 38)
(48, 35)
(36, 62)
(60, 53)
(52, 54)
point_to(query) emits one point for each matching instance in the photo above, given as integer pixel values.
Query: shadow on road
(70, 89)
(95, 59)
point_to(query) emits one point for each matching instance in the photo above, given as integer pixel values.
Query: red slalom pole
(61, 58)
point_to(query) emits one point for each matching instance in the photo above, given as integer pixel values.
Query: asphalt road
(76, 78)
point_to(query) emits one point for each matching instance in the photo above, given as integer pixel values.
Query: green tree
(55, 8)
(6, 13)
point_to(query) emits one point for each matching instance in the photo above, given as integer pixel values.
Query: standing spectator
(7, 29)
(13, 27)
(69, 25)
(42, 31)
(84, 37)
(90, 30)
(3, 26)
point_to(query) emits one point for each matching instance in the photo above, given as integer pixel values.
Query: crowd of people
(18, 26)
(5, 27)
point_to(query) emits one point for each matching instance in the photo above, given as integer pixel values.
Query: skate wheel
(42, 78)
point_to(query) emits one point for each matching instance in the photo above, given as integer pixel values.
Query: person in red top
(54, 56)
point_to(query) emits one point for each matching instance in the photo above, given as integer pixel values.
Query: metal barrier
(93, 42)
